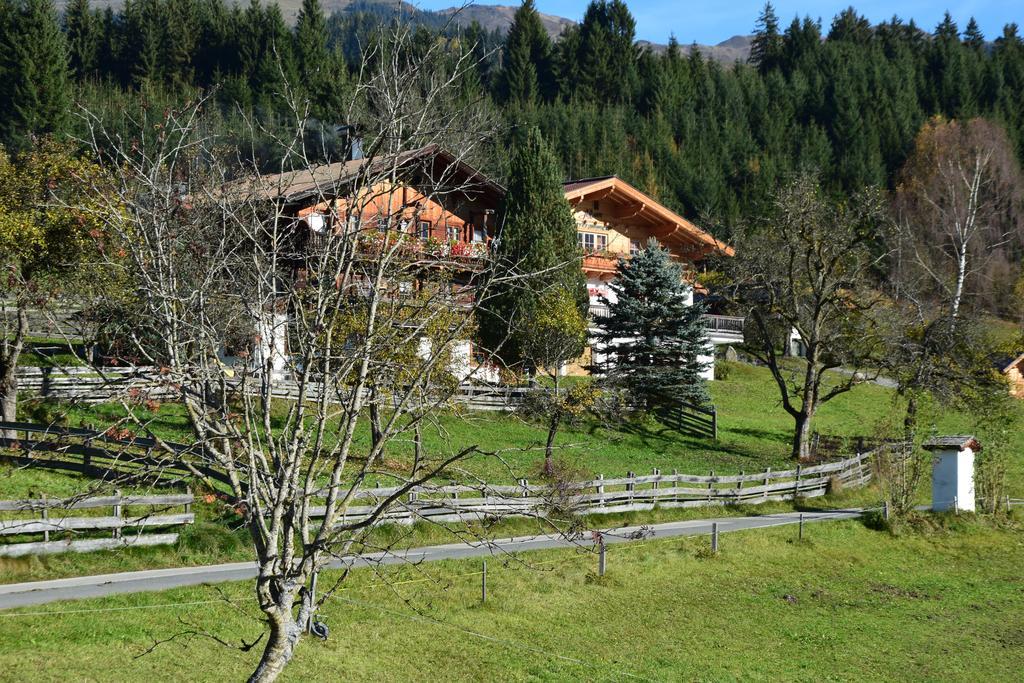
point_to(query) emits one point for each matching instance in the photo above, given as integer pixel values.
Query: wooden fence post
(714, 538)
(796, 486)
(714, 423)
(117, 511)
(601, 561)
(600, 489)
(188, 505)
(767, 478)
(657, 473)
(46, 518)
(711, 485)
(739, 486)
(801, 535)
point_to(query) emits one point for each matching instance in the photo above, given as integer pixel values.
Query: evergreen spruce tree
(34, 97)
(766, 47)
(652, 339)
(537, 242)
(322, 74)
(527, 76)
(82, 29)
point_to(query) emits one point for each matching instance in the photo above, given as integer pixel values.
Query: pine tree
(537, 243)
(527, 76)
(766, 47)
(82, 29)
(34, 99)
(322, 74)
(973, 37)
(652, 338)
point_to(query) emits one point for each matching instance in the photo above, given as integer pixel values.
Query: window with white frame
(591, 242)
(453, 233)
(423, 230)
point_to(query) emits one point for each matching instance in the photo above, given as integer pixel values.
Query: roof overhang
(635, 213)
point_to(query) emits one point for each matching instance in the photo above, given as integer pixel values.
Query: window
(634, 247)
(453, 233)
(591, 242)
(424, 230)
(479, 234)
(382, 224)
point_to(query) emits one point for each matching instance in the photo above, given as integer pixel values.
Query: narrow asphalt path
(39, 592)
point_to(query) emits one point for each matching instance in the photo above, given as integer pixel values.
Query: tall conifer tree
(527, 76)
(537, 243)
(82, 29)
(34, 98)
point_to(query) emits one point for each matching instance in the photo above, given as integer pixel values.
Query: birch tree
(959, 206)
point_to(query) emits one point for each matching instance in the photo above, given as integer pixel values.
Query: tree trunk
(802, 437)
(284, 636)
(8, 406)
(8, 372)
(549, 448)
(910, 420)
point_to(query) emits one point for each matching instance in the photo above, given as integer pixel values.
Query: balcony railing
(724, 325)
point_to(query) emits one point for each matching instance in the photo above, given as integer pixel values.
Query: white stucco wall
(953, 480)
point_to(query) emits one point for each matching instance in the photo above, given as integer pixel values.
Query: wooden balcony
(600, 263)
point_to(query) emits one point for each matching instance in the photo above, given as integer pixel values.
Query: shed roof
(958, 442)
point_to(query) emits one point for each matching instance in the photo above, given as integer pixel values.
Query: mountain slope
(491, 17)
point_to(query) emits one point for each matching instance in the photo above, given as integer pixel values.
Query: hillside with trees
(846, 100)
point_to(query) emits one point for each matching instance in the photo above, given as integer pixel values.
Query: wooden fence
(606, 496)
(127, 525)
(100, 454)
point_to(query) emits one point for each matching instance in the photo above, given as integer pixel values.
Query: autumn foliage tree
(47, 232)
(960, 208)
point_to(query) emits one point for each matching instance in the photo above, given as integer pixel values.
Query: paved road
(38, 592)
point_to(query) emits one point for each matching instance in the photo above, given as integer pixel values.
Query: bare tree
(959, 209)
(809, 269)
(343, 300)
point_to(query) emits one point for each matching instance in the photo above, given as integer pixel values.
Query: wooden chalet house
(614, 220)
(453, 212)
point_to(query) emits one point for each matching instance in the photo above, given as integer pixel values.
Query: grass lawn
(754, 433)
(849, 603)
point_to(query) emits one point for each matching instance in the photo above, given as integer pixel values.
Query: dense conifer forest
(845, 98)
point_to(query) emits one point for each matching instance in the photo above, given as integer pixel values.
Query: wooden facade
(1013, 370)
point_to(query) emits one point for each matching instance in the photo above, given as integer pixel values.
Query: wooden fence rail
(126, 528)
(99, 454)
(605, 496)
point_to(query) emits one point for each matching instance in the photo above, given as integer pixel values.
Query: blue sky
(713, 22)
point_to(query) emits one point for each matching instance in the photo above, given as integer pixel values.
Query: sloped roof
(330, 181)
(665, 224)
(1006, 363)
